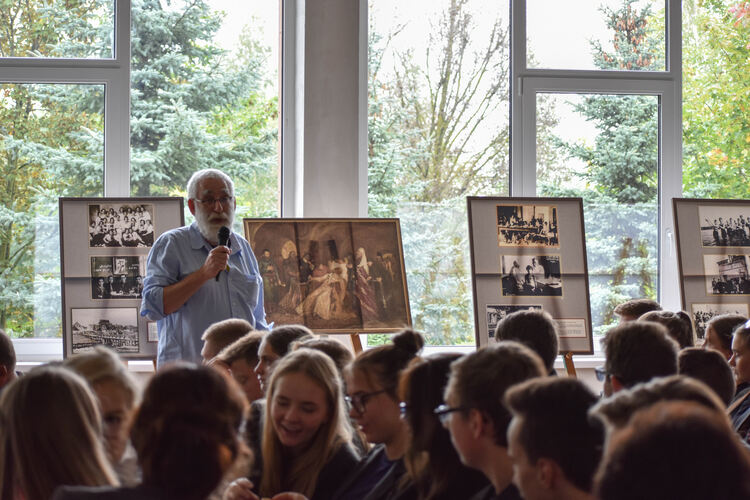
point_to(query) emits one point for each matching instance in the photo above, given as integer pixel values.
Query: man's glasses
(601, 373)
(211, 202)
(444, 412)
(359, 401)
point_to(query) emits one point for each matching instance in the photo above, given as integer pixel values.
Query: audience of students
(433, 466)
(678, 326)
(337, 351)
(739, 408)
(633, 309)
(616, 411)
(240, 357)
(536, 330)
(185, 434)
(307, 438)
(638, 351)
(483, 426)
(221, 334)
(7, 360)
(117, 394)
(371, 386)
(475, 416)
(719, 331)
(674, 450)
(710, 367)
(50, 435)
(275, 345)
(555, 447)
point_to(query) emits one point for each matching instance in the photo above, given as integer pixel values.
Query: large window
(203, 91)
(438, 131)
(586, 108)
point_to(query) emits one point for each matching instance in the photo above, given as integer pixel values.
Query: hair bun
(409, 341)
(682, 315)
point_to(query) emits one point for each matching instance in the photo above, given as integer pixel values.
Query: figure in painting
(290, 272)
(364, 289)
(271, 281)
(326, 301)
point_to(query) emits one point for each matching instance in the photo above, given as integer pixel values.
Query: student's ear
(5, 375)
(477, 423)
(191, 205)
(617, 385)
(547, 472)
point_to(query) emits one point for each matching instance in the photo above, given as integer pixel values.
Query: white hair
(207, 173)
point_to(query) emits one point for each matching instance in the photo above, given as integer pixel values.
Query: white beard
(210, 223)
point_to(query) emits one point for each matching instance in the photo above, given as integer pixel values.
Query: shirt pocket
(248, 288)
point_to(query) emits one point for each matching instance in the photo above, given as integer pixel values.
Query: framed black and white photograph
(116, 328)
(527, 226)
(103, 259)
(530, 254)
(702, 314)
(724, 225)
(713, 256)
(121, 225)
(726, 274)
(117, 277)
(531, 275)
(497, 312)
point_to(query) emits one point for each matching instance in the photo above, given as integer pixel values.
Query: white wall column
(330, 104)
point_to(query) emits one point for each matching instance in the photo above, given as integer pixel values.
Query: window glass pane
(626, 35)
(438, 132)
(607, 147)
(716, 99)
(51, 145)
(204, 81)
(55, 28)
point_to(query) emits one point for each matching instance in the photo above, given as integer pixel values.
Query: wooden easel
(356, 343)
(569, 366)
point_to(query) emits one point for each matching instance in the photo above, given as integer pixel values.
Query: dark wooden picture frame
(542, 231)
(342, 276)
(712, 239)
(82, 264)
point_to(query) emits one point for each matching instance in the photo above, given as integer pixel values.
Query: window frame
(667, 85)
(114, 74)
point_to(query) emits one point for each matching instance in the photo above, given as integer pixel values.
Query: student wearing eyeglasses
(372, 387)
(192, 281)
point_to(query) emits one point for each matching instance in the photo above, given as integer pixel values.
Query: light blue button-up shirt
(238, 293)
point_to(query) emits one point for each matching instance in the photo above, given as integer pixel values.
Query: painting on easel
(332, 275)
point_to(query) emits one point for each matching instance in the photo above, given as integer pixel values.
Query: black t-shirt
(370, 472)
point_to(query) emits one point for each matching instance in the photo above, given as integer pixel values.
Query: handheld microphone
(223, 238)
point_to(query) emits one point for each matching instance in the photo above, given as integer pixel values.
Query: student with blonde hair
(185, 435)
(118, 394)
(306, 441)
(50, 435)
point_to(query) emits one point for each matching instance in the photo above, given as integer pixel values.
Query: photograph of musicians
(192, 282)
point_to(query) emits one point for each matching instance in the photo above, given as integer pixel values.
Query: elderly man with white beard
(192, 281)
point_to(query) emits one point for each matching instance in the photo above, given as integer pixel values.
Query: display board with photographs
(713, 249)
(104, 245)
(332, 275)
(530, 254)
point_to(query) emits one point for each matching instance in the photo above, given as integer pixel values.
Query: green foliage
(716, 99)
